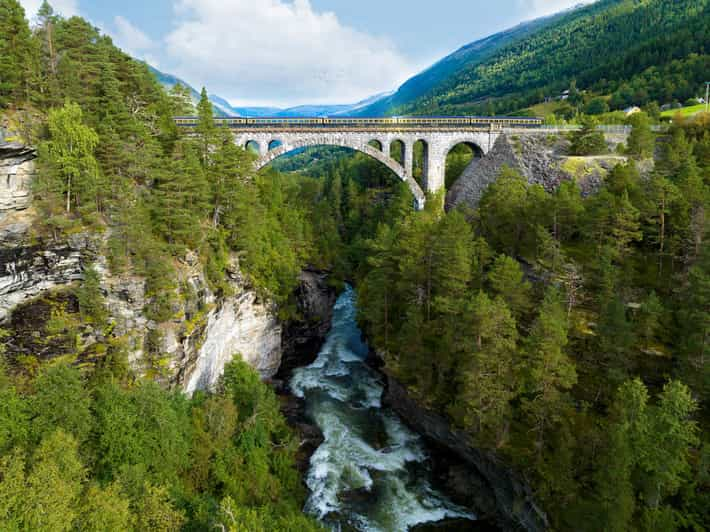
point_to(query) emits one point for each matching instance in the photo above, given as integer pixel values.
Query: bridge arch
(377, 144)
(376, 154)
(398, 151)
(458, 156)
(253, 146)
(275, 144)
(420, 162)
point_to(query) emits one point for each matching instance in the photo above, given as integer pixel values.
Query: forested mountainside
(629, 51)
(433, 77)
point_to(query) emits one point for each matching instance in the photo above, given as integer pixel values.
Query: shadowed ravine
(370, 473)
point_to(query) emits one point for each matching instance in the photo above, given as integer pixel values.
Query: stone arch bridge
(437, 144)
(274, 137)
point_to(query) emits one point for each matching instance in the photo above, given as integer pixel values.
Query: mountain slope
(637, 51)
(473, 53)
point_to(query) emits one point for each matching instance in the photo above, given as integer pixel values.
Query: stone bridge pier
(377, 144)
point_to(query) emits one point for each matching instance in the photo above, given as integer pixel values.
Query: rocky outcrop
(474, 477)
(541, 159)
(17, 170)
(302, 337)
(534, 156)
(29, 269)
(240, 325)
(481, 173)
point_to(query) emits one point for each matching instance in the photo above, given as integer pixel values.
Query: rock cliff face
(302, 338)
(471, 476)
(16, 172)
(206, 332)
(541, 158)
(241, 325)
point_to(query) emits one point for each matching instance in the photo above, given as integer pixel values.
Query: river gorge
(371, 472)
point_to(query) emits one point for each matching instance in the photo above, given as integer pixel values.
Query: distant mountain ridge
(223, 108)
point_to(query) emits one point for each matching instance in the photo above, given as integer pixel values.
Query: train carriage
(367, 122)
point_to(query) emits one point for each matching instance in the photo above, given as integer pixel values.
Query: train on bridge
(426, 122)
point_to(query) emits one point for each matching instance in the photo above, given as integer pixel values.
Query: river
(371, 471)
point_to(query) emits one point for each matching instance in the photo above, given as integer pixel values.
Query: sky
(293, 52)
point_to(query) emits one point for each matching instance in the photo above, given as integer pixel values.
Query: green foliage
(564, 300)
(457, 160)
(642, 141)
(588, 140)
(143, 458)
(91, 299)
(69, 153)
(61, 401)
(16, 51)
(596, 106)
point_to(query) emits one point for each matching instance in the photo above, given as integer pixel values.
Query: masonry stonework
(437, 146)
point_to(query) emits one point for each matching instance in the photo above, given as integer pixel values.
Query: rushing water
(370, 473)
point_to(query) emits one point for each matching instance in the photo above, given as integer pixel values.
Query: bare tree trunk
(69, 194)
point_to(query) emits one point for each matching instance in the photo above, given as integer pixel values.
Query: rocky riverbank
(470, 476)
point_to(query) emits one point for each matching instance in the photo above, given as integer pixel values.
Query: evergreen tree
(205, 126)
(61, 402)
(649, 318)
(588, 140)
(549, 371)
(181, 100)
(506, 280)
(15, 53)
(181, 198)
(641, 141)
(488, 379)
(91, 299)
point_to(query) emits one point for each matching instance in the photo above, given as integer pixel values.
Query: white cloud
(540, 8)
(268, 50)
(66, 8)
(132, 40)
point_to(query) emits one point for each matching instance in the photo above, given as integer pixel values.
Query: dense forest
(568, 334)
(629, 52)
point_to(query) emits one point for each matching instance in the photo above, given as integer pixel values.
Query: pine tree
(15, 53)
(506, 280)
(488, 382)
(694, 319)
(48, 58)
(649, 318)
(181, 196)
(588, 140)
(90, 296)
(548, 369)
(501, 212)
(181, 100)
(641, 141)
(206, 128)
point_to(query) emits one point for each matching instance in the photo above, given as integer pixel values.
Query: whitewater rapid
(370, 473)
